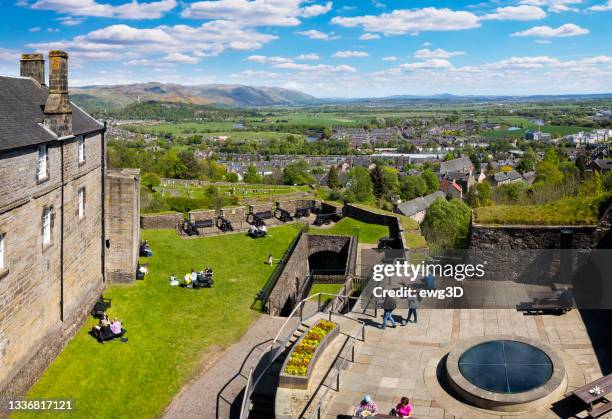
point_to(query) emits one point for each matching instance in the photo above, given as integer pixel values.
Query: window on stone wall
(2, 251)
(43, 162)
(81, 149)
(46, 226)
(81, 210)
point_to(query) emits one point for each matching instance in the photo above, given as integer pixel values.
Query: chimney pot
(33, 66)
(58, 111)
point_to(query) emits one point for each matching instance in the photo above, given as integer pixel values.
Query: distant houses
(416, 208)
(537, 136)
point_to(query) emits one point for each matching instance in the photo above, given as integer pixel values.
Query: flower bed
(300, 362)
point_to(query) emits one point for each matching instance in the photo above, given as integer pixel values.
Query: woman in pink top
(403, 408)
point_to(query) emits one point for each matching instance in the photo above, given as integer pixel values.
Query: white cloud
(351, 54)
(523, 12)
(427, 64)
(307, 57)
(168, 61)
(319, 68)
(602, 7)
(390, 58)
(132, 10)
(52, 30)
(314, 34)
(369, 36)
(400, 22)
(436, 53)
(316, 9)
(268, 60)
(523, 63)
(70, 21)
(255, 12)
(34, 29)
(569, 29)
(542, 41)
(9, 55)
(123, 41)
(555, 6)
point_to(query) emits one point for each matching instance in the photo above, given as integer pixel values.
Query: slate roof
(462, 164)
(507, 176)
(417, 205)
(22, 101)
(603, 164)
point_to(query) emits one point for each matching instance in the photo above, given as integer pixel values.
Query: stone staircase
(264, 394)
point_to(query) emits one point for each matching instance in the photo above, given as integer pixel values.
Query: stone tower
(58, 112)
(33, 65)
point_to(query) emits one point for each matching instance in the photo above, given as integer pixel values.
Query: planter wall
(301, 382)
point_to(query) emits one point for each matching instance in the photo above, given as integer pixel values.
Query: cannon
(224, 225)
(283, 215)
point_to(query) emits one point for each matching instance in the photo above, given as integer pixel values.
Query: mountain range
(234, 95)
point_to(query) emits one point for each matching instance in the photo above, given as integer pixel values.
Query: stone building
(52, 241)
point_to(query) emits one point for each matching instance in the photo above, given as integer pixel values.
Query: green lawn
(368, 233)
(326, 288)
(565, 211)
(170, 329)
(415, 241)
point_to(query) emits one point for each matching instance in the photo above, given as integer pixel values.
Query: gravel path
(224, 375)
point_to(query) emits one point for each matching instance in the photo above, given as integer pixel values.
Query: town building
(416, 208)
(53, 244)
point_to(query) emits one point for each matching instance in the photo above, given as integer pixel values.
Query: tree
(297, 174)
(251, 175)
(431, 180)
(327, 133)
(475, 161)
(332, 178)
(377, 181)
(149, 181)
(412, 187)
(480, 196)
(359, 187)
(232, 177)
(446, 223)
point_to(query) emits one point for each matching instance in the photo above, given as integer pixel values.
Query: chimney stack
(58, 112)
(33, 66)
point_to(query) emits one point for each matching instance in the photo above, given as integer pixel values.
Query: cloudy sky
(326, 48)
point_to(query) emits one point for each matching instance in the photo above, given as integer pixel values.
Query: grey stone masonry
(47, 288)
(122, 224)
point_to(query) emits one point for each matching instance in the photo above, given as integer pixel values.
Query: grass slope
(368, 233)
(170, 329)
(566, 211)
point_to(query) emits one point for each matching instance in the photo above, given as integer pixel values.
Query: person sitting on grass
(187, 280)
(366, 407)
(116, 327)
(404, 408)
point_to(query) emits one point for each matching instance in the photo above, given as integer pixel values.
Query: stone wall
(531, 237)
(263, 207)
(396, 229)
(204, 215)
(122, 224)
(293, 283)
(292, 280)
(236, 216)
(162, 221)
(47, 290)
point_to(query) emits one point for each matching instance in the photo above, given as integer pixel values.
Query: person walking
(389, 305)
(413, 304)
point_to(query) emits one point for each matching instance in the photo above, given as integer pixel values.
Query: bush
(183, 204)
(446, 223)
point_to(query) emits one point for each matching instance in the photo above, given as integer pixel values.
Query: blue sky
(333, 48)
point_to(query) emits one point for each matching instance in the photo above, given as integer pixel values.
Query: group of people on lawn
(194, 279)
(107, 330)
(367, 407)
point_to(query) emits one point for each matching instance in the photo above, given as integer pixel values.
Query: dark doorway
(328, 262)
(287, 308)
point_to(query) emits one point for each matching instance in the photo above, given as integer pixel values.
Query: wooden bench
(601, 410)
(583, 394)
(542, 308)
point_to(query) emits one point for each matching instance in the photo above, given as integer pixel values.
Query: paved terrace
(404, 361)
